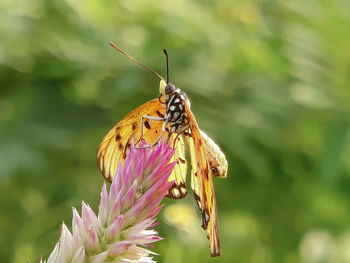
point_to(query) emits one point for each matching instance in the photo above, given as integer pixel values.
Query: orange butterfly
(170, 116)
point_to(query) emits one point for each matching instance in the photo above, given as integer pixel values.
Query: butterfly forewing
(116, 143)
(202, 185)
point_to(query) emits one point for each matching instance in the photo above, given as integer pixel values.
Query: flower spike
(123, 229)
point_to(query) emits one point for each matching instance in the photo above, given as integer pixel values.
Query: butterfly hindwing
(178, 189)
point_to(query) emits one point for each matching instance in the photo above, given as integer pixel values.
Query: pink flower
(122, 230)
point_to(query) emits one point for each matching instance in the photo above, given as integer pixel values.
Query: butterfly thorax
(176, 111)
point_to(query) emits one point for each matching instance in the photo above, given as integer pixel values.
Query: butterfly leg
(149, 118)
(160, 136)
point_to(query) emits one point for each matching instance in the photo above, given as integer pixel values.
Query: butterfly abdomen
(216, 158)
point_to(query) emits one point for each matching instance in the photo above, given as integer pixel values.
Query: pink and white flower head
(122, 230)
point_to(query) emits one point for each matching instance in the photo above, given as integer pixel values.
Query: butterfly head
(166, 89)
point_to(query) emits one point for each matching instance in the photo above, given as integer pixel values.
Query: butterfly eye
(169, 89)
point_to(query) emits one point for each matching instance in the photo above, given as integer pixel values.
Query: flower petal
(79, 256)
(103, 207)
(99, 258)
(114, 229)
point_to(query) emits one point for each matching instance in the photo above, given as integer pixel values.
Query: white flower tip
(79, 256)
(99, 258)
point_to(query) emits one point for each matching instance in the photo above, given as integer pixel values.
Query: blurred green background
(269, 81)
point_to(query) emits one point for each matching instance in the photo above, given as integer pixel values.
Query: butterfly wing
(178, 189)
(202, 184)
(216, 158)
(116, 143)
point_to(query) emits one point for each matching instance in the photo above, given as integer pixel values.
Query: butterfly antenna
(134, 60)
(167, 65)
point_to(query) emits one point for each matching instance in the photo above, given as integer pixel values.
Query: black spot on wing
(206, 173)
(187, 134)
(198, 200)
(215, 171)
(127, 146)
(118, 137)
(159, 114)
(205, 218)
(147, 125)
(196, 197)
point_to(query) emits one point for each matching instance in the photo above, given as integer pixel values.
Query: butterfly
(169, 116)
